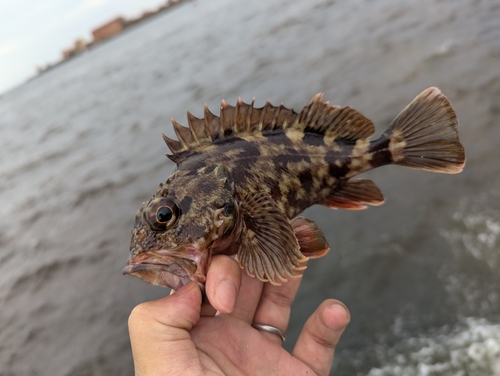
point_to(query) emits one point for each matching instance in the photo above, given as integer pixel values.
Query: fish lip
(165, 268)
(145, 266)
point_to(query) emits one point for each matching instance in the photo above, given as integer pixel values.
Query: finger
(159, 327)
(274, 306)
(223, 284)
(320, 334)
(248, 298)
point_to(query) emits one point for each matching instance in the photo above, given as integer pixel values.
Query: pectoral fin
(312, 242)
(269, 249)
(353, 193)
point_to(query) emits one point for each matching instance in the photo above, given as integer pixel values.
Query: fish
(242, 178)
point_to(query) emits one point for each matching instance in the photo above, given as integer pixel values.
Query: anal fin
(353, 193)
(312, 242)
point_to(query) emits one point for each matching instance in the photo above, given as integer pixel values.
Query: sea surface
(80, 149)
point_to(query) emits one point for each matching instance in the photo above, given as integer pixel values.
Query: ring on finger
(270, 329)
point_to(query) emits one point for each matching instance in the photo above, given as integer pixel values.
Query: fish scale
(244, 176)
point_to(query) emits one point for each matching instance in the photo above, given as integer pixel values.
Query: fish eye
(164, 214)
(161, 214)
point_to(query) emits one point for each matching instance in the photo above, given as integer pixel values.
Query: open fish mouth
(159, 269)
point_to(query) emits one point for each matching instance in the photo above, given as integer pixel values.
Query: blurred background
(80, 149)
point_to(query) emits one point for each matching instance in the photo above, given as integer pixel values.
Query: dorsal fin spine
(263, 116)
(212, 124)
(260, 126)
(274, 121)
(235, 115)
(225, 119)
(290, 120)
(174, 145)
(183, 134)
(238, 109)
(222, 116)
(192, 121)
(249, 116)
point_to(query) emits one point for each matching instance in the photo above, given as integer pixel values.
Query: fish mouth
(161, 269)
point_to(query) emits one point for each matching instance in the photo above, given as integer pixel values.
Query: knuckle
(321, 340)
(138, 313)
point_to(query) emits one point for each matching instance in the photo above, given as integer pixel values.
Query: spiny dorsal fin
(244, 118)
(318, 117)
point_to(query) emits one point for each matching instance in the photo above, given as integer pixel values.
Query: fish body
(244, 176)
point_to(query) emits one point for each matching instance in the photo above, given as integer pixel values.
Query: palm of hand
(177, 336)
(240, 349)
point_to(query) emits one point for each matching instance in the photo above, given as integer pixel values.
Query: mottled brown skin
(296, 172)
(242, 178)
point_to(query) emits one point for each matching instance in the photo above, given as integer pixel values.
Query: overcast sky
(34, 32)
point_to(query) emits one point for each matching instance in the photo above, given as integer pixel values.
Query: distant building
(108, 30)
(78, 47)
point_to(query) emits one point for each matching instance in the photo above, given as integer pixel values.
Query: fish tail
(424, 135)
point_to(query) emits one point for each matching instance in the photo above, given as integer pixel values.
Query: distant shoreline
(103, 33)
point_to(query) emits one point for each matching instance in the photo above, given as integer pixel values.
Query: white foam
(472, 348)
(477, 228)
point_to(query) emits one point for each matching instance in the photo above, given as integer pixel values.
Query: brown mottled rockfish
(243, 177)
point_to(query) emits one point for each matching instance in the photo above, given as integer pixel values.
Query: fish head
(191, 216)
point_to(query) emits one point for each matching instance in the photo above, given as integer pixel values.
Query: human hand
(177, 335)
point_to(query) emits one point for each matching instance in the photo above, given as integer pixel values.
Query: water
(80, 149)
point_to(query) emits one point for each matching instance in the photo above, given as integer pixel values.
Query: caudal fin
(424, 135)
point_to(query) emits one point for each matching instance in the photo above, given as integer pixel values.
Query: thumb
(161, 327)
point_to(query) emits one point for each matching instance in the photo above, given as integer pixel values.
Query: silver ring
(270, 329)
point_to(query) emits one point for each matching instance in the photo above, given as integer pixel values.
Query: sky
(34, 32)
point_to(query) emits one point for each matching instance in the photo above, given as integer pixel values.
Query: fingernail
(342, 309)
(225, 296)
(184, 289)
